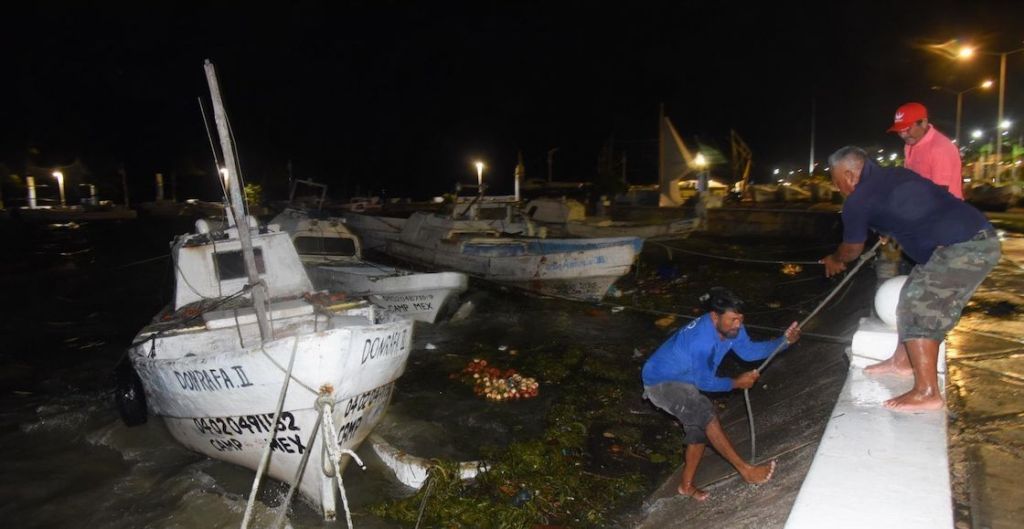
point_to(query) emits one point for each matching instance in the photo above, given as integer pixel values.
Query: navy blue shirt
(693, 354)
(915, 211)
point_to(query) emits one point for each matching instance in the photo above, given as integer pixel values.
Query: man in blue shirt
(954, 246)
(686, 364)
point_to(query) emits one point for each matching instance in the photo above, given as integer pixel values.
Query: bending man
(685, 365)
(954, 247)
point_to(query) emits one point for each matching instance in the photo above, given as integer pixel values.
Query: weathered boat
(579, 269)
(333, 258)
(247, 363)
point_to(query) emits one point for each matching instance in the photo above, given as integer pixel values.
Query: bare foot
(889, 367)
(693, 492)
(911, 402)
(759, 474)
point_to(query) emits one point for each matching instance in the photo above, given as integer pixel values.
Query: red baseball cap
(907, 115)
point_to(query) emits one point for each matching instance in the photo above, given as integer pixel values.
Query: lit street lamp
(960, 102)
(479, 175)
(60, 184)
(967, 52)
(702, 177)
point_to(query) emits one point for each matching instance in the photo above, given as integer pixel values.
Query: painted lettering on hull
(213, 379)
(388, 345)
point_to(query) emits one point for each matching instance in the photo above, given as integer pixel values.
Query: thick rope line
(265, 458)
(298, 474)
(864, 258)
(734, 259)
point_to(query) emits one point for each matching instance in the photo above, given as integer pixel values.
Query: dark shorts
(687, 404)
(936, 292)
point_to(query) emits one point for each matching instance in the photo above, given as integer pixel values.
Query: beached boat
(992, 197)
(580, 269)
(567, 218)
(247, 363)
(764, 192)
(333, 258)
(792, 193)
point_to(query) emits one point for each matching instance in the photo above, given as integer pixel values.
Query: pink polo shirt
(937, 159)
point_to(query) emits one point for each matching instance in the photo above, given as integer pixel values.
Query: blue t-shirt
(915, 211)
(693, 354)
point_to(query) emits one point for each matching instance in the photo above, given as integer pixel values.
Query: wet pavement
(985, 406)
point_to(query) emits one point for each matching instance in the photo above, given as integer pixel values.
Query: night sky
(403, 97)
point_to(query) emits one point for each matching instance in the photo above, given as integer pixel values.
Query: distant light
(880, 151)
(976, 133)
(700, 160)
(58, 175)
(828, 168)
(1005, 124)
(987, 83)
(965, 52)
(791, 172)
(880, 158)
(967, 180)
(1018, 162)
(775, 171)
(892, 157)
(780, 180)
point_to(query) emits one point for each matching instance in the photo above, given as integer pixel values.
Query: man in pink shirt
(927, 151)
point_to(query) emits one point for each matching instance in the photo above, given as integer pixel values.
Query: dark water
(76, 295)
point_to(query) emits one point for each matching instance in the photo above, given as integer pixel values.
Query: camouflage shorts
(936, 292)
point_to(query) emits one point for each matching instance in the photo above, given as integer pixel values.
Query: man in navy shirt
(954, 246)
(686, 364)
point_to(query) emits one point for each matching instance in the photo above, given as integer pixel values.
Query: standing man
(927, 151)
(954, 246)
(685, 365)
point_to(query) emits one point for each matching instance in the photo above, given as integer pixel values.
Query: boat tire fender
(128, 393)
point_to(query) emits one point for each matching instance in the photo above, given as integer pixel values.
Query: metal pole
(259, 293)
(810, 163)
(959, 111)
(999, 118)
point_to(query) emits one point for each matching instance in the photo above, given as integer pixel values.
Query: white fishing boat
(793, 193)
(248, 364)
(764, 193)
(567, 218)
(580, 269)
(333, 258)
(374, 231)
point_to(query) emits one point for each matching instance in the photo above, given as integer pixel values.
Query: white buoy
(887, 298)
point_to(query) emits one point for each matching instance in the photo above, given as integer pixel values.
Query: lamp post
(966, 53)
(702, 176)
(960, 102)
(60, 185)
(479, 176)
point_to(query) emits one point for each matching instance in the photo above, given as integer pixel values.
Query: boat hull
(415, 296)
(584, 275)
(222, 404)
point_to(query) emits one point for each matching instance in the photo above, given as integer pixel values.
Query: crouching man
(686, 364)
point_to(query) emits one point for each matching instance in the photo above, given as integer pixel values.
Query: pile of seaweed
(602, 448)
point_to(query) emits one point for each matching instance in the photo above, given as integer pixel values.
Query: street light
(960, 102)
(1002, 92)
(479, 176)
(60, 184)
(702, 178)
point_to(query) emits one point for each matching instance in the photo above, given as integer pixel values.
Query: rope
(734, 259)
(143, 261)
(302, 468)
(865, 257)
(265, 458)
(330, 442)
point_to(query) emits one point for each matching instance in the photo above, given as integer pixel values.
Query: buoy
(128, 392)
(887, 298)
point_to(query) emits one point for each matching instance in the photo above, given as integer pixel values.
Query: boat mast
(237, 206)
